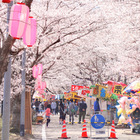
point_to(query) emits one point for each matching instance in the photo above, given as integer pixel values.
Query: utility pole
(7, 90)
(22, 110)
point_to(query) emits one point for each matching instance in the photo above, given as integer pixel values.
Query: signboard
(98, 121)
(76, 87)
(85, 92)
(95, 91)
(68, 95)
(102, 91)
(115, 87)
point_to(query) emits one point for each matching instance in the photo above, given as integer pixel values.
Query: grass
(12, 136)
(15, 136)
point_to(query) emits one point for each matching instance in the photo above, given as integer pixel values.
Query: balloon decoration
(18, 18)
(29, 36)
(124, 108)
(6, 1)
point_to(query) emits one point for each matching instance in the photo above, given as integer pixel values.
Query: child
(47, 114)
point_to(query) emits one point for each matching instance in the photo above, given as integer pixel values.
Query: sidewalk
(41, 132)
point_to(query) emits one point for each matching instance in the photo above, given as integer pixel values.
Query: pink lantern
(18, 18)
(40, 67)
(29, 36)
(39, 82)
(35, 71)
(6, 1)
(43, 86)
(40, 90)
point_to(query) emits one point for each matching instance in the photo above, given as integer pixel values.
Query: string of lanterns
(37, 73)
(22, 25)
(6, 1)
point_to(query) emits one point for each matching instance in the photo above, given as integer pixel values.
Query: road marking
(44, 131)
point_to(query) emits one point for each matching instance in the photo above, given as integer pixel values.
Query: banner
(115, 87)
(76, 87)
(85, 92)
(68, 95)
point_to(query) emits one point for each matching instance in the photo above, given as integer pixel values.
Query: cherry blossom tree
(80, 42)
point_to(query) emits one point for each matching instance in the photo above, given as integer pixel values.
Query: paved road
(41, 132)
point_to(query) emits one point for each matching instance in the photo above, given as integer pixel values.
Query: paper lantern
(35, 71)
(40, 67)
(6, 1)
(29, 36)
(39, 82)
(43, 86)
(18, 20)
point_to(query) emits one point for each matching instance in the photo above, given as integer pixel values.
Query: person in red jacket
(47, 114)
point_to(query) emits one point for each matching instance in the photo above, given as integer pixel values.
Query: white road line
(44, 131)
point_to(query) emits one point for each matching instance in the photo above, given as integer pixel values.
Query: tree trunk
(15, 113)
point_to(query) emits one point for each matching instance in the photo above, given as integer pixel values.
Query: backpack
(73, 109)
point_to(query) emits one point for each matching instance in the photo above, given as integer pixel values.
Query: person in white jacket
(53, 107)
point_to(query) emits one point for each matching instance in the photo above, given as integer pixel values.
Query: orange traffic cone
(113, 133)
(64, 132)
(84, 131)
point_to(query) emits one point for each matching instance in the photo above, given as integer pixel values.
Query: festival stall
(71, 95)
(130, 106)
(108, 96)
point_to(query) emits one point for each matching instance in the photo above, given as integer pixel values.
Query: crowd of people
(64, 107)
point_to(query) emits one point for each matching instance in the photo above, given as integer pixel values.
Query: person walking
(96, 106)
(37, 105)
(76, 109)
(62, 114)
(47, 114)
(53, 107)
(65, 106)
(82, 110)
(45, 104)
(71, 111)
(56, 110)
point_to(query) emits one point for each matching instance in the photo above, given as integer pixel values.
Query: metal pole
(22, 110)
(7, 89)
(22, 113)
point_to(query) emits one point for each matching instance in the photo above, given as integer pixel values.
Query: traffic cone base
(84, 131)
(63, 138)
(113, 133)
(64, 132)
(112, 138)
